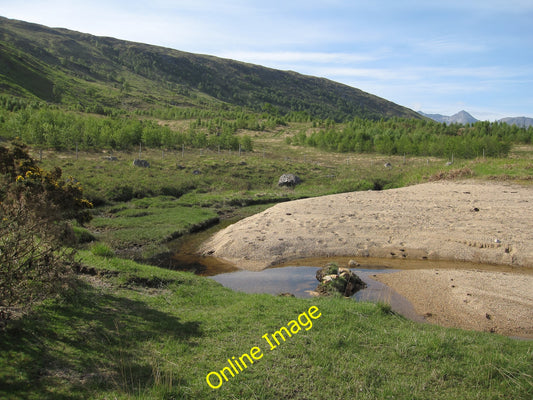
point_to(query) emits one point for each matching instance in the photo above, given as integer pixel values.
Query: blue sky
(434, 56)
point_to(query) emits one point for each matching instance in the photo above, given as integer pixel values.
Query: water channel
(298, 278)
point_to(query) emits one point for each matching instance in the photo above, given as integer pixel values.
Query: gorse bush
(35, 207)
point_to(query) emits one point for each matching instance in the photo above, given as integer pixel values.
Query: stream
(301, 280)
(298, 279)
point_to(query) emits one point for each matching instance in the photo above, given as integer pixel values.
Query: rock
(196, 172)
(338, 280)
(286, 295)
(141, 163)
(328, 278)
(330, 269)
(353, 264)
(289, 180)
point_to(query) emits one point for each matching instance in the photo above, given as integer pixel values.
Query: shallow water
(298, 277)
(301, 280)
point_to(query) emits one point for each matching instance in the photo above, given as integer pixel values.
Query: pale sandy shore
(500, 302)
(476, 222)
(465, 221)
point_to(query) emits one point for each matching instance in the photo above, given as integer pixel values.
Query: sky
(435, 56)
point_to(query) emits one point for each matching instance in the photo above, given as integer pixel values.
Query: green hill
(92, 73)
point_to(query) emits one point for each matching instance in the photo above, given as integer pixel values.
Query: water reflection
(300, 281)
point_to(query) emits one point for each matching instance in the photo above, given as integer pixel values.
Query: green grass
(102, 250)
(141, 209)
(135, 331)
(148, 223)
(140, 332)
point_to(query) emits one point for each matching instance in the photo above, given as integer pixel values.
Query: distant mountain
(522, 122)
(90, 72)
(462, 117)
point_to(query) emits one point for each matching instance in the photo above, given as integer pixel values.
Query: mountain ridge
(463, 117)
(62, 66)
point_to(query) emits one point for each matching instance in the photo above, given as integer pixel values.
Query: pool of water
(301, 281)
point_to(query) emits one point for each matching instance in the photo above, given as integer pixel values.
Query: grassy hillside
(136, 332)
(92, 73)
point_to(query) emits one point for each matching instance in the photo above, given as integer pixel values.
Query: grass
(102, 250)
(148, 223)
(133, 331)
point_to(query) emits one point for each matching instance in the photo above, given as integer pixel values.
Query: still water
(301, 281)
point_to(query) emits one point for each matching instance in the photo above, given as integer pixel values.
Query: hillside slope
(62, 66)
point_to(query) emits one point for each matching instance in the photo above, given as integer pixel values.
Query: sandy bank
(466, 221)
(488, 301)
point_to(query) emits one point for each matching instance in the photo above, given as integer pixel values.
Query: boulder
(141, 163)
(338, 280)
(289, 180)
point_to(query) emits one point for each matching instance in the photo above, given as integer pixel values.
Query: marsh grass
(120, 337)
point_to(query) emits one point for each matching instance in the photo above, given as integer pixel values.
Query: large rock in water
(290, 180)
(334, 279)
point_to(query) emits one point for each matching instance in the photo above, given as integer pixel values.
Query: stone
(330, 269)
(286, 295)
(289, 180)
(338, 280)
(141, 163)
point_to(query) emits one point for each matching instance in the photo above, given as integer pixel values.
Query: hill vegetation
(418, 138)
(91, 73)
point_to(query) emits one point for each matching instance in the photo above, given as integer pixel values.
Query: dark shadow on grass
(67, 348)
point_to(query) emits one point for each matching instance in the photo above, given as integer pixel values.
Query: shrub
(35, 209)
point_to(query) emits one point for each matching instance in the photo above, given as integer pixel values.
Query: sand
(499, 302)
(478, 222)
(466, 221)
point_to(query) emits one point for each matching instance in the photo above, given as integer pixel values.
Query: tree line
(416, 137)
(51, 127)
